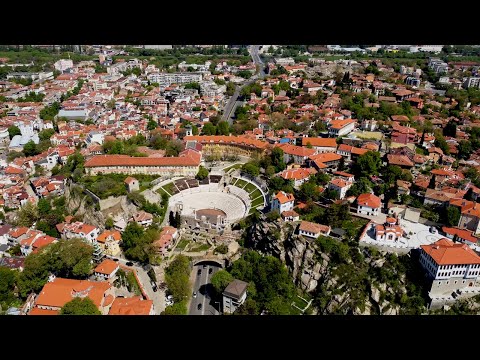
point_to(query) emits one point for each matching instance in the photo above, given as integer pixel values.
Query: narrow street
(158, 296)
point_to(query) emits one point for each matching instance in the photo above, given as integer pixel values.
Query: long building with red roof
(452, 267)
(186, 164)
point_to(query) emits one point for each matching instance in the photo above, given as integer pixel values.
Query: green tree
(202, 173)
(27, 215)
(178, 308)
(109, 223)
(368, 163)
(44, 207)
(308, 191)
(450, 129)
(277, 159)
(223, 128)
(67, 258)
(251, 169)
(152, 124)
(177, 278)
(46, 134)
(464, 149)
(79, 306)
(7, 286)
(13, 130)
(209, 129)
(220, 280)
(133, 232)
(30, 149)
(453, 215)
(361, 186)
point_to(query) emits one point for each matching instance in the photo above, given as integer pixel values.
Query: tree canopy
(79, 306)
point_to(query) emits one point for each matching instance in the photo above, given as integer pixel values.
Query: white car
(194, 294)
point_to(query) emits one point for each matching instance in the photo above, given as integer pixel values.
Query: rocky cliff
(348, 285)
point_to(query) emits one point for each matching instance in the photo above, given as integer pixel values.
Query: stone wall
(110, 201)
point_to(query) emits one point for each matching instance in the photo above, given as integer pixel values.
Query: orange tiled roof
(461, 233)
(446, 252)
(369, 200)
(106, 267)
(400, 160)
(112, 234)
(339, 124)
(325, 157)
(313, 227)
(60, 291)
(131, 306)
(296, 150)
(125, 160)
(284, 197)
(319, 142)
(38, 311)
(296, 174)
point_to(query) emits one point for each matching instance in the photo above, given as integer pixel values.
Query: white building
(283, 201)
(389, 231)
(471, 82)
(368, 204)
(341, 127)
(166, 79)
(452, 267)
(106, 270)
(313, 230)
(234, 295)
(341, 186)
(95, 137)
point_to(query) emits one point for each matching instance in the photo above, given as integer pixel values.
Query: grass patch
(255, 194)
(201, 247)
(250, 187)
(170, 187)
(161, 191)
(240, 183)
(234, 166)
(257, 202)
(421, 151)
(112, 184)
(183, 244)
(133, 285)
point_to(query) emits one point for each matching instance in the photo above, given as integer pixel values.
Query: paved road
(203, 288)
(233, 102)
(158, 296)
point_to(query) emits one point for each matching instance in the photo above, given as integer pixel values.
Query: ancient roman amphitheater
(216, 200)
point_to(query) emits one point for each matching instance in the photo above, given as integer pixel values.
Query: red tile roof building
(186, 164)
(368, 204)
(452, 267)
(313, 230)
(55, 294)
(132, 306)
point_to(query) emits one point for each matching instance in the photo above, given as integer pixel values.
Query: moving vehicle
(194, 294)
(199, 307)
(210, 270)
(199, 272)
(129, 263)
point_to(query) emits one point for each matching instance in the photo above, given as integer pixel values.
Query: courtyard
(415, 234)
